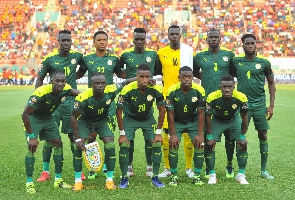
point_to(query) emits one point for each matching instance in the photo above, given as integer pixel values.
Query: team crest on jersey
(194, 99)
(149, 97)
(63, 99)
(108, 101)
(234, 106)
(76, 105)
(120, 99)
(148, 59)
(73, 61)
(208, 106)
(257, 66)
(110, 62)
(33, 101)
(225, 58)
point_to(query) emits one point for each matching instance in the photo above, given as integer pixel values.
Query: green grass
(280, 164)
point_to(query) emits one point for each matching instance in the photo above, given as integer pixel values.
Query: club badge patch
(110, 62)
(225, 58)
(73, 61)
(258, 66)
(33, 101)
(234, 106)
(194, 99)
(76, 105)
(149, 97)
(148, 59)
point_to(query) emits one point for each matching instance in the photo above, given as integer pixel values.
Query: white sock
(109, 179)
(78, 180)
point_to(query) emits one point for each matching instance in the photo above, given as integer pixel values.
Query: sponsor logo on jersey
(258, 66)
(148, 59)
(194, 99)
(225, 58)
(149, 97)
(110, 62)
(234, 106)
(91, 62)
(205, 59)
(73, 61)
(134, 98)
(108, 101)
(90, 107)
(176, 99)
(241, 64)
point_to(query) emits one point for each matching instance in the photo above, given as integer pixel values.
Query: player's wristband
(209, 137)
(31, 135)
(78, 140)
(243, 137)
(122, 132)
(158, 131)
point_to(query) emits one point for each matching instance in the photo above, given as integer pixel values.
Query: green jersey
(185, 105)
(132, 60)
(107, 65)
(226, 110)
(251, 76)
(53, 62)
(44, 102)
(137, 105)
(92, 109)
(213, 67)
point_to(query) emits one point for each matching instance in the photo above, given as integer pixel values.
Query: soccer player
(215, 62)
(185, 106)
(39, 122)
(136, 100)
(106, 63)
(131, 58)
(223, 109)
(91, 114)
(66, 60)
(170, 62)
(251, 70)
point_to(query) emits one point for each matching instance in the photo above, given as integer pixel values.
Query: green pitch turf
(281, 161)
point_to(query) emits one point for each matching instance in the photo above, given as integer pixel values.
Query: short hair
(173, 26)
(247, 35)
(97, 74)
(57, 72)
(65, 31)
(213, 29)
(185, 69)
(227, 78)
(100, 32)
(143, 66)
(139, 30)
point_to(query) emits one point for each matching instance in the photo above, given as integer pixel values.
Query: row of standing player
(214, 61)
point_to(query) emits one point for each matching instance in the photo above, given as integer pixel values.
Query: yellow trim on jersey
(55, 52)
(220, 48)
(110, 88)
(218, 94)
(133, 86)
(194, 86)
(132, 49)
(85, 95)
(107, 54)
(257, 56)
(46, 89)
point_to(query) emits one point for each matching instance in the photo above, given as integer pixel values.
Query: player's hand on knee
(242, 144)
(122, 139)
(199, 142)
(173, 141)
(80, 143)
(158, 138)
(32, 145)
(210, 145)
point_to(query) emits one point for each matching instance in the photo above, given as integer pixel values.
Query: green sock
(264, 153)
(205, 156)
(29, 162)
(242, 158)
(211, 159)
(29, 179)
(58, 159)
(230, 149)
(110, 174)
(198, 160)
(72, 144)
(173, 159)
(148, 152)
(110, 156)
(174, 171)
(131, 152)
(197, 171)
(78, 175)
(46, 153)
(124, 158)
(156, 157)
(58, 175)
(104, 167)
(77, 159)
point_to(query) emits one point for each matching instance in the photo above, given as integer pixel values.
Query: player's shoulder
(158, 88)
(261, 57)
(50, 55)
(240, 96)
(67, 87)
(239, 57)
(150, 50)
(127, 51)
(128, 88)
(173, 88)
(226, 50)
(112, 55)
(74, 52)
(43, 90)
(110, 88)
(198, 88)
(84, 95)
(89, 55)
(164, 49)
(214, 95)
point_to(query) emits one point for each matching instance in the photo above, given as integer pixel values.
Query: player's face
(174, 36)
(227, 88)
(143, 78)
(213, 39)
(249, 46)
(186, 77)
(98, 83)
(101, 42)
(58, 82)
(65, 42)
(139, 40)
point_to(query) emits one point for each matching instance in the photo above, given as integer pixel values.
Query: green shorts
(63, 113)
(44, 129)
(258, 113)
(103, 128)
(148, 127)
(191, 128)
(231, 127)
(112, 113)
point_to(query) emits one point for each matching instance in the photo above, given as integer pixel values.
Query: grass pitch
(280, 163)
